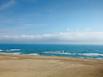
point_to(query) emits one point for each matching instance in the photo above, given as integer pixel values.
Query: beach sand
(39, 66)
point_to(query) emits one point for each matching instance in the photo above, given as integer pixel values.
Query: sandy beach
(39, 66)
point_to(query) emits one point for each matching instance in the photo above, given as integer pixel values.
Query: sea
(61, 50)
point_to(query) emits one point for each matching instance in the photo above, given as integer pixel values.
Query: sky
(51, 21)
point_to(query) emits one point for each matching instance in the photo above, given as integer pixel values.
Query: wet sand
(40, 66)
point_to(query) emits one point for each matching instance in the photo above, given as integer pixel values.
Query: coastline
(47, 66)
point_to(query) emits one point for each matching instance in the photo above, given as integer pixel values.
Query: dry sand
(38, 66)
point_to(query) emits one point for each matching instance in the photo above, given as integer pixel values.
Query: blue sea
(76, 51)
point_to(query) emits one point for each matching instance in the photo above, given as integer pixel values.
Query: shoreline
(30, 56)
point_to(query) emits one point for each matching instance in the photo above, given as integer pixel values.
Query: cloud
(7, 4)
(61, 37)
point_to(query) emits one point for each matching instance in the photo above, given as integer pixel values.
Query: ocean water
(76, 51)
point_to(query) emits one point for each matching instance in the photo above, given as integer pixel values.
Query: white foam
(33, 54)
(9, 50)
(58, 52)
(68, 53)
(13, 50)
(1, 50)
(91, 54)
(16, 53)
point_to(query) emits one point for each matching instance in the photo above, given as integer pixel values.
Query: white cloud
(61, 37)
(7, 4)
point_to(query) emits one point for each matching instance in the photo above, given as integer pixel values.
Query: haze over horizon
(51, 21)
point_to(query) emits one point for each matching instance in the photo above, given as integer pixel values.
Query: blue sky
(51, 21)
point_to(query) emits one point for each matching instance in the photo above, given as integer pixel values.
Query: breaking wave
(69, 53)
